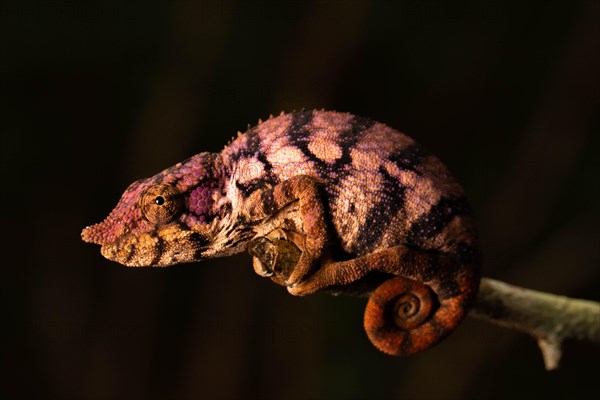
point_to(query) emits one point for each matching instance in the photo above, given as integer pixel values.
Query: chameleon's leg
(426, 300)
(398, 260)
(304, 189)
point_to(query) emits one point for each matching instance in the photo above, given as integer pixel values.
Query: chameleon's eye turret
(161, 203)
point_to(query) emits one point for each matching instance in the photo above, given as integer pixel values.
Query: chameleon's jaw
(160, 248)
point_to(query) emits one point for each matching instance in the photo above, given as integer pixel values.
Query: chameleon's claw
(301, 289)
(293, 289)
(260, 269)
(291, 284)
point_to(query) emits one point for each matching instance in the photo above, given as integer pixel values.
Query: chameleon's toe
(304, 288)
(295, 289)
(260, 269)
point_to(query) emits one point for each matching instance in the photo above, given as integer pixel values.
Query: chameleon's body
(362, 201)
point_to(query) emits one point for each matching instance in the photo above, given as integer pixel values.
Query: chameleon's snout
(107, 231)
(90, 235)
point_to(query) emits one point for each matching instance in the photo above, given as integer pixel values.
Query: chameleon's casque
(367, 206)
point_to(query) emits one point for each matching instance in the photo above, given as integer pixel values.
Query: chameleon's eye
(161, 203)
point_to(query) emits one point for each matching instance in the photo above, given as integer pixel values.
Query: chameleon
(358, 208)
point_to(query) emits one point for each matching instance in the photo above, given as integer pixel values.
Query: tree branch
(549, 318)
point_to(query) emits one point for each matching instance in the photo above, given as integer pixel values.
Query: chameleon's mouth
(135, 250)
(167, 246)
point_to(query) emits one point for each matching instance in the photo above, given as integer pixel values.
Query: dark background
(94, 97)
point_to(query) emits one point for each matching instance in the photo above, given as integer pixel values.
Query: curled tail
(404, 316)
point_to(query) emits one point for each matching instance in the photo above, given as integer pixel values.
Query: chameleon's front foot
(310, 235)
(274, 258)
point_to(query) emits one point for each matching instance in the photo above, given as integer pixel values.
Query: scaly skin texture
(368, 209)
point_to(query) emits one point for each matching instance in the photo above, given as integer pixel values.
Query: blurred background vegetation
(94, 96)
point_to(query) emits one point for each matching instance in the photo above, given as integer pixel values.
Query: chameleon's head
(163, 220)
